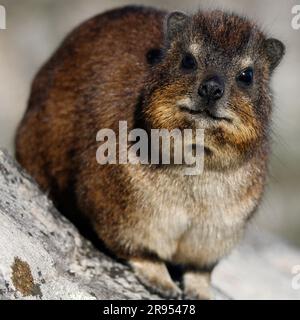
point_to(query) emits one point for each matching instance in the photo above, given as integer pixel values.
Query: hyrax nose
(211, 89)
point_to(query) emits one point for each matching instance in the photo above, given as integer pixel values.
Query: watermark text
(161, 146)
(296, 17)
(2, 18)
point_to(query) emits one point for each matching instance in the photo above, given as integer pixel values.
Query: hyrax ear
(175, 23)
(275, 50)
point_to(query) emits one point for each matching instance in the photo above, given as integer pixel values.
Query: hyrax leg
(155, 276)
(197, 285)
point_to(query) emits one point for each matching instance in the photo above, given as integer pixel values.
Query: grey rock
(43, 256)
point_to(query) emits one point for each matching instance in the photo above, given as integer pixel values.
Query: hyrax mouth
(204, 114)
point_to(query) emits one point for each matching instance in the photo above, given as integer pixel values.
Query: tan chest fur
(192, 219)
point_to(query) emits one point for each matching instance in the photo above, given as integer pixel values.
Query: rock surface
(43, 256)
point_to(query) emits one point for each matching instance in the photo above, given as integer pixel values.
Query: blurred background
(36, 27)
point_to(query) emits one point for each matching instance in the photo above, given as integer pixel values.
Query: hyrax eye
(245, 78)
(188, 62)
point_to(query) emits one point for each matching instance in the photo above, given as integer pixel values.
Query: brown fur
(99, 76)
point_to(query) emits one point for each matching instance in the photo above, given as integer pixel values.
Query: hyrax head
(214, 74)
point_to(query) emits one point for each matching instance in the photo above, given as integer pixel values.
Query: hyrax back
(92, 80)
(134, 64)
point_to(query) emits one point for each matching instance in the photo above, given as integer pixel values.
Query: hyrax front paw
(155, 276)
(197, 285)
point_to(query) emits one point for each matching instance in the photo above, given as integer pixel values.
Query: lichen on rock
(22, 279)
